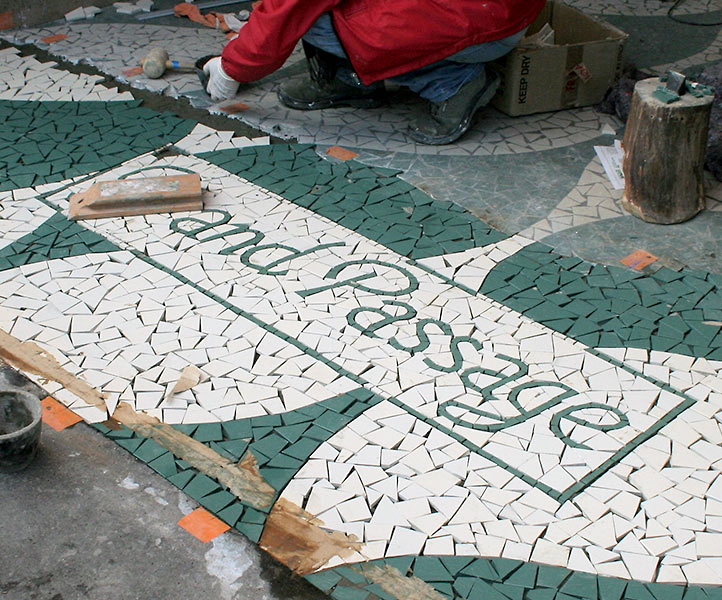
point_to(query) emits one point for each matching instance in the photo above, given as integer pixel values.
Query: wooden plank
(139, 196)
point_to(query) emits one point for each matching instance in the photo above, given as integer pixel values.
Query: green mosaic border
(499, 579)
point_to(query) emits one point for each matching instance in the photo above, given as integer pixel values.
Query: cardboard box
(577, 71)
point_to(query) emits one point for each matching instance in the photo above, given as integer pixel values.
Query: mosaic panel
(475, 413)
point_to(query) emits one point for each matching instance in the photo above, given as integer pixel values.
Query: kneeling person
(436, 48)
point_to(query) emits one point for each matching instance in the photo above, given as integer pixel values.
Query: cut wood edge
(31, 358)
(243, 479)
(293, 537)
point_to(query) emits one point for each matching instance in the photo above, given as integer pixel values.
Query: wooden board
(140, 196)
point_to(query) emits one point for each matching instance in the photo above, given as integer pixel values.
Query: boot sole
(484, 97)
(369, 102)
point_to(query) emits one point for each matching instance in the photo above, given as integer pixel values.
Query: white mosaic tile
(20, 215)
(25, 78)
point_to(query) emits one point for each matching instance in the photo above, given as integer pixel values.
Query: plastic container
(20, 424)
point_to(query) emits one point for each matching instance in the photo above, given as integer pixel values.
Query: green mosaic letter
(498, 423)
(455, 353)
(568, 413)
(421, 334)
(192, 227)
(411, 285)
(388, 319)
(292, 253)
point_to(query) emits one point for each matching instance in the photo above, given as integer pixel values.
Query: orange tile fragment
(133, 72)
(341, 153)
(58, 416)
(54, 38)
(6, 19)
(234, 108)
(203, 525)
(639, 259)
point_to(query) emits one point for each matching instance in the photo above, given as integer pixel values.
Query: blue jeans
(436, 82)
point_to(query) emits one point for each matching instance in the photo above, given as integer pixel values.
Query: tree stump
(664, 150)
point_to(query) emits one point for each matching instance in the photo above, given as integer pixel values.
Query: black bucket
(20, 423)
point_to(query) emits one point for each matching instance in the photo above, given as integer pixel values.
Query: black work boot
(445, 122)
(321, 88)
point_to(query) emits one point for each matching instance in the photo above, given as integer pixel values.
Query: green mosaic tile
(149, 450)
(541, 594)
(200, 486)
(164, 464)
(208, 432)
(231, 513)
(181, 479)
(483, 569)
(432, 568)
(131, 445)
(454, 564)
(482, 590)
(611, 589)
(55, 238)
(606, 301)
(252, 531)
(351, 575)
(217, 501)
(324, 580)
(401, 563)
(378, 592)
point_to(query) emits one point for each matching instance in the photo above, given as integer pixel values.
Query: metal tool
(168, 12)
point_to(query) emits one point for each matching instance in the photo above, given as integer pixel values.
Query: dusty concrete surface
(27, 13)
(88, 521)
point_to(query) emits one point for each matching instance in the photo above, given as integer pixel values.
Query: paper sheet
(611, 157)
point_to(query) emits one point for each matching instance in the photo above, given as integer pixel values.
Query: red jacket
(383, 38)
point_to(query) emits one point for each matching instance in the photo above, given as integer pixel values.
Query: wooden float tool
(141, 196)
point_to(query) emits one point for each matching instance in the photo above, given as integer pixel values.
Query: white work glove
(220, 86)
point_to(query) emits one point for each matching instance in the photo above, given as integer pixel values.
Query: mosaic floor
(447, 407)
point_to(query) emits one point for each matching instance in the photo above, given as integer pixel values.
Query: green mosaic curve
(372, 201)
(280, 443)
(46, 142)
(499, 579)
(58, 237)
(613, 307)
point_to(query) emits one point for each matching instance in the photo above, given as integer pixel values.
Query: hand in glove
(220, 86)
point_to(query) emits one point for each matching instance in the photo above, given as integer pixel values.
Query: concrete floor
(103, 525)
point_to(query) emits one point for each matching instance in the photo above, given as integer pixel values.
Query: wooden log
(664, 150)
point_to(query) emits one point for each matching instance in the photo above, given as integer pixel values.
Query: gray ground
(88, 521)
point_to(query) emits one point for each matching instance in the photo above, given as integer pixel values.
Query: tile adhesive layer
(386, 393)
